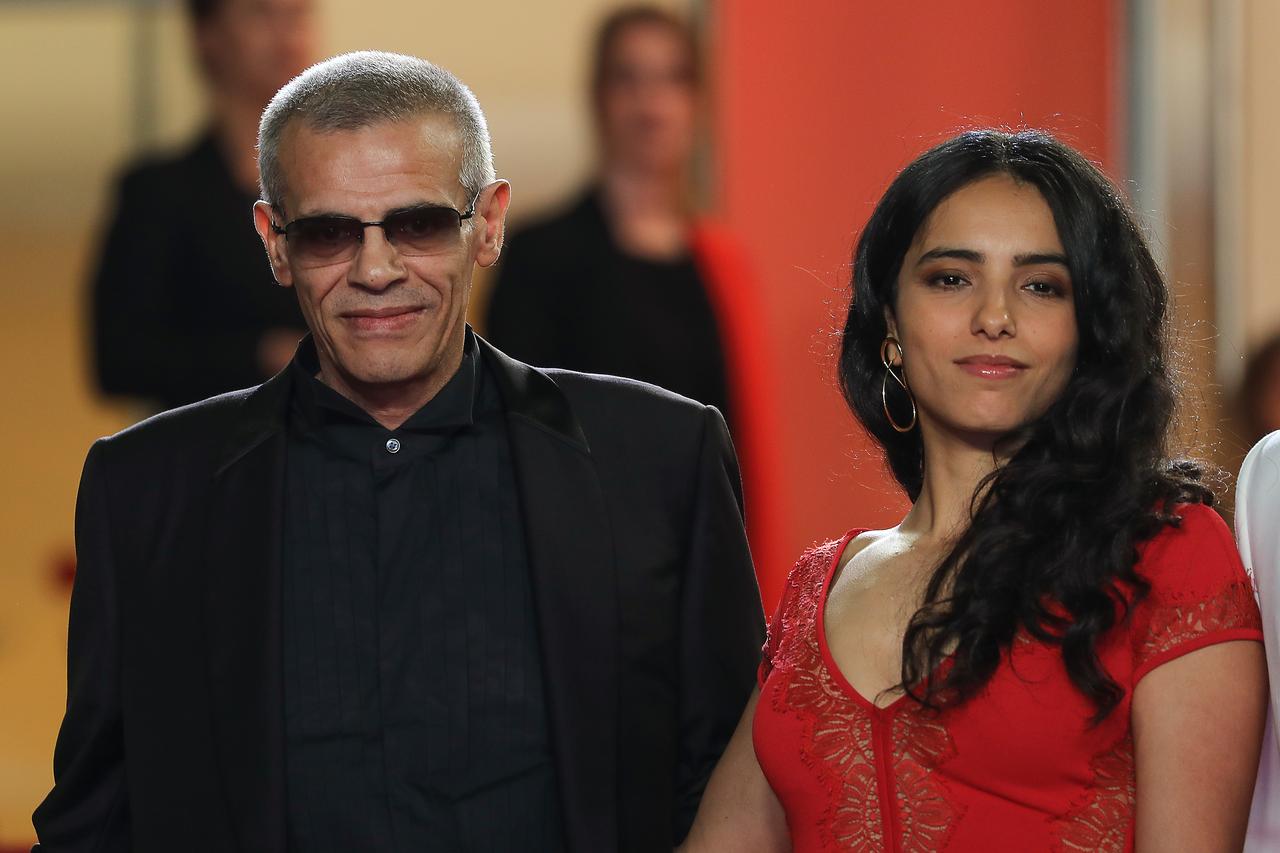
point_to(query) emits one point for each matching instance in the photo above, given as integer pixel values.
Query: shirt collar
(453, 406)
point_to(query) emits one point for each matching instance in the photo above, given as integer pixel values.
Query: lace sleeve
(770, 648)
(773, 635)
(1200, 593)
(803, 582)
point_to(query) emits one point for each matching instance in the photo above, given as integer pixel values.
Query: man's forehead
(434, 130)
(414, 160)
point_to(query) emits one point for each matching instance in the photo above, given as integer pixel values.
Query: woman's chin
(984, 432)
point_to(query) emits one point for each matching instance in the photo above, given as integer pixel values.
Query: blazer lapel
(575, 591)
(242, 620)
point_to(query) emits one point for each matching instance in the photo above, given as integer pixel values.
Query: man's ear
(264, 216)
(491, 217)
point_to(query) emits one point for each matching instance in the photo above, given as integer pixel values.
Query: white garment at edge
(1258, 534)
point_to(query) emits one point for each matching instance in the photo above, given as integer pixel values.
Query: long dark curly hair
(1055, 528)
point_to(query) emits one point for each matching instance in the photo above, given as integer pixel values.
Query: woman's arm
(739, 811)
(1197, 728)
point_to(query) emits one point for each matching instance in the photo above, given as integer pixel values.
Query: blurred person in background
(1259, 397)
(617, 282)
(630, 280)
(183, 306)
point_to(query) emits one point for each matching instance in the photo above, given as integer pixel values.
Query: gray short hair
(357, 90)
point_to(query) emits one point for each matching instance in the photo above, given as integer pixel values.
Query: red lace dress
(1017, 768)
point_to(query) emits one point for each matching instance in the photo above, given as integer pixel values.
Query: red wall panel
(819, 104)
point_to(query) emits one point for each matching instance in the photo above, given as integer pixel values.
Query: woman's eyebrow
(1024, 260)
(1035, 258)
(953, 253)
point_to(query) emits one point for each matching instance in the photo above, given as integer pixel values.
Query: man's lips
(991, 366)
(387, 319)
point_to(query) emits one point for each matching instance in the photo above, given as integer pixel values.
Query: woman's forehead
(994, 216)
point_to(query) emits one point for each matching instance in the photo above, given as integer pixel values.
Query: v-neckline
(825, 649)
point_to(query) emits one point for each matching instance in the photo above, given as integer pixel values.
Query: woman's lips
(991, 367)
(383, 319)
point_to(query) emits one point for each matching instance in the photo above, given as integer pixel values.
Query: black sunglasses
(316, 241)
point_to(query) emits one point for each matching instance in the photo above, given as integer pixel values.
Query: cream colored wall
(1259, 287)
(68, 123)
(1204, 118)
(66, 103)
(65, 127)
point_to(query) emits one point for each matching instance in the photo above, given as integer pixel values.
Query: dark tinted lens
(422, 230)
(323, 239)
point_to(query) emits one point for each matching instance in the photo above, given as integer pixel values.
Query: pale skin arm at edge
(739, 811)
(1197, 728)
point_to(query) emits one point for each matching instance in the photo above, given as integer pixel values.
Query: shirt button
(393, 445)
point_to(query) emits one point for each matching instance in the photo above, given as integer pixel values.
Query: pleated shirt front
(415, 715)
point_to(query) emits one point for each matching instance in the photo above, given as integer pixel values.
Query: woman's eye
(947, 280)
(1044, 288)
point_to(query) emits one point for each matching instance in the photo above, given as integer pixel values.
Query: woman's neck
(635, 191)
(954, 466)
(647, 212)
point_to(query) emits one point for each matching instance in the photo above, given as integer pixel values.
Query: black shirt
(568, 296)
(183, 291)
(415, 716)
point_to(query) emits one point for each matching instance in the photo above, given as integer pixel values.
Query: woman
(586, 288)
(1057, 648)
(630, 279)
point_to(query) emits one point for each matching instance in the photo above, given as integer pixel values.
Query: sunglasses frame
(283, 230)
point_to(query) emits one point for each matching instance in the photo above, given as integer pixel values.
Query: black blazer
(181, 296)
(647, 608)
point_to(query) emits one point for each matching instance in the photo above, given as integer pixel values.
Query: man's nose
(377, 264)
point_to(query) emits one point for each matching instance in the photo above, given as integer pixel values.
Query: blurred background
(808, 110)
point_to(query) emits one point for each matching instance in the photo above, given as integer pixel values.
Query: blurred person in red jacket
(182, 305)
(630, 279)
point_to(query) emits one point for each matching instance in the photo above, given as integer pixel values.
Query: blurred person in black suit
(182, 305)
(410, 593)
(624, 280)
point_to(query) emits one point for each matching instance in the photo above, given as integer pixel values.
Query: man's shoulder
(645, 441)
(188, 432)
(632, 395)
(606, 408)
(630, 418)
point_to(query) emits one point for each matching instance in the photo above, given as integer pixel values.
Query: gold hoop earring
(886, 360)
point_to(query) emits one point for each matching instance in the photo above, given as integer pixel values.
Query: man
(409, 594)
(183, 307)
